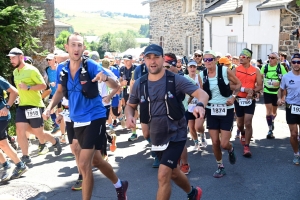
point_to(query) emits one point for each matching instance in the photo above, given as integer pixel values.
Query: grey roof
(148, 1)
(223, 7)
(272, 4)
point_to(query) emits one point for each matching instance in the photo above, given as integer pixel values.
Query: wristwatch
(28, 87)
(7, 106)
(200, 104)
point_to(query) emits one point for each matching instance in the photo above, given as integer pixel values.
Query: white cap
(15, 52)
(192, 62)
(50, 56)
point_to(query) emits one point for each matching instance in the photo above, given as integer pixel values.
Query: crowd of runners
(89, 97)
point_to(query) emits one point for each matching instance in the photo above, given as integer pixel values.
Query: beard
(17, 65)
(157, 70)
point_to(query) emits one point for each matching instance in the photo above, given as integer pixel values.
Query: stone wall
(168, 20)
(288, 23)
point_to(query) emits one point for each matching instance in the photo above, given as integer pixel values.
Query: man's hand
(230, 101)
(3, 112)
(131, 122)
(276, 83)
(23, 86)
(106, 99)
(100, 77)
(199, 112)
(58, 119)
(280, 102)
(123, 83)
(46, 114)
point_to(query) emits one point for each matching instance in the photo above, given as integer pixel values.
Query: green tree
(144, 30)
(298, 2)
(123, 41)
(17, 25)
(62, 39)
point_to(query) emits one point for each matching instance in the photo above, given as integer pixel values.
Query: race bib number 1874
(219, 109)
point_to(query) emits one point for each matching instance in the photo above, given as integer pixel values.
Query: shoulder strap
(84, 62)
(266, 69)
(278, 71)
(47, 70)
(220, 72)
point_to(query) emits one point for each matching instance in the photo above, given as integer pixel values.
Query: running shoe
(247, 152)
(238, 132)
(133, 137)
(203, 142)
(196, 147)
(113, 145)
(296, 160)
(7, 173)
(243, 140)
(156, 162)
(63, 138)
(220, 172)
(111, 132)
(26, 159)
(56, 128)
(121, 192)
(13, 143)
(123, 123)
(19, 171)
(185, 169)
(270, 135)
(57, 147)
(43, 149)
(197, 195)
(231, 157)
(77, 186)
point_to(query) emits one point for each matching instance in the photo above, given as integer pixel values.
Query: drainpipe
(285, 6)
(210, 30)
(201, 24)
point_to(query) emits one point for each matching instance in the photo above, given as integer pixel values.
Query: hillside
(94, 24)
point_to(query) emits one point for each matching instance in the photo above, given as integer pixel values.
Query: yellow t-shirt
(31, 76)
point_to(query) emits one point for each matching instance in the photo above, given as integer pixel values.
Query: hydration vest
(89, 88)
(144, 69)
(224, 89)
(279, 74)
(174, 106)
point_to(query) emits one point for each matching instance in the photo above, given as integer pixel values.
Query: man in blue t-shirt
(88, 114)
(21, 168)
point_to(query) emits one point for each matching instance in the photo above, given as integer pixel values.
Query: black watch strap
(200, 104)
(7, 106)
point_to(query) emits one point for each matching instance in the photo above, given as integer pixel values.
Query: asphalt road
(269, 174)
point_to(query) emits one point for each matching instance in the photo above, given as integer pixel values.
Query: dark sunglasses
(167, 66)
(141, 59)
(192, 66)
(196, 55)
(296, 62)
(208, 59)
(272, 57)
(48, 60)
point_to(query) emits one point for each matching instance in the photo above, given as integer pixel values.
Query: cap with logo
(154, 49)
(224, 60)
(94, 55)
(127, 57)
(211, 52)
(192, 63)
(15, 52)
(50, 56)
(296, 55)
(105, 63)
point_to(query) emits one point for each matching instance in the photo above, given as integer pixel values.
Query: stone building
(61, 26)
(176, 25)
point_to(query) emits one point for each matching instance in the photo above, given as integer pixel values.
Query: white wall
(266, 33)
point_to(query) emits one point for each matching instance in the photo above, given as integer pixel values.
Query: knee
(84, 165)
(2, 145)
(294, 135)
(224, 144)
(163, 176)
(248, 125)
(216, 143)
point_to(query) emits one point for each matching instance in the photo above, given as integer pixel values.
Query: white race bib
(128, 89)
(81, 124)
(192, 105)
(66, 115)
(159, 147)
(33, 113)
(245, 102)
(295, 110)
(219, 109)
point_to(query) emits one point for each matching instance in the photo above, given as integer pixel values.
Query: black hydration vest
(224, 89)
(89, 89)
(174, 106)
(144, 69)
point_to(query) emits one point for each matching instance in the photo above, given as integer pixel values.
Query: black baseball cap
(296, 55)
(127, 57)
(154, 49)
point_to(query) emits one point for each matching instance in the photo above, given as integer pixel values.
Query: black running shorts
(171, 155)
(3, 129)
(291, 118)
(219, 122)
(34, 123)
(242, 110)
(89, 136)
(270, 99)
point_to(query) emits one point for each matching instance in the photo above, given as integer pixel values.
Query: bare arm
(235, 83)
(112, 83)
(13, 94)
(259, 82)
(57, 97)
(201, 95)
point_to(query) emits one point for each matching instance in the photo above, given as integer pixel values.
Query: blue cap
(296, 55)
(154, 49)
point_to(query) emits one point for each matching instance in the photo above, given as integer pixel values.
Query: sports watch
(7, 106)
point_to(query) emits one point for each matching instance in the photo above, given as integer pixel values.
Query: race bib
(159, 147)
(295, 110)
(81, 124)
(33, 113)
(218, 109)
(128, 89)
(66, 115)
(245, 102)
(270, 83)
(192, 105)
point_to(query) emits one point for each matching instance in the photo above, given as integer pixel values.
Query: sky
(124, 6)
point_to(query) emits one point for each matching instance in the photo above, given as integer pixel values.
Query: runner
(272, 74)
(198, 56)
(29, 83)
(168, 131)
(78, 82)
(9, 172)
(245, 101)
(289, 94)
(219, 110)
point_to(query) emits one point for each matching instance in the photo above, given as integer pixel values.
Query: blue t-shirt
(4, 86)
(138, 72)
(115, 101)
(115, 71)
(51, 78)
(82, 109)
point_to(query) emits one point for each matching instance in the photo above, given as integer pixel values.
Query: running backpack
(278, 71)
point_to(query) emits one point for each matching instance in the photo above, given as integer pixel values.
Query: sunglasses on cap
(270, 57)
(167, 66)
(197, 55)
(296, 62)
(208, 59)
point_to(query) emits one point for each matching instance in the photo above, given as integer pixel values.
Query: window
(253, 13)
(189, 46)
(161, 41)
(229, 21)
(234, 47)
(188, 6)
(261, 51)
